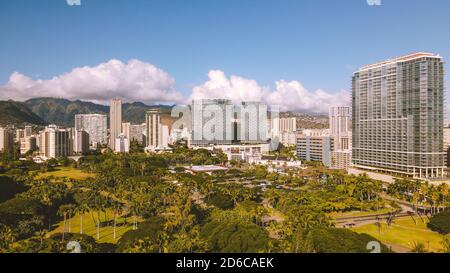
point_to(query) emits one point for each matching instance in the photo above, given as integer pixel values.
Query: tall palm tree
(81, 210)
(70, 211)
(63, 211)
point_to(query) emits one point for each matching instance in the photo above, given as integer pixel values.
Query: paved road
(355, 221)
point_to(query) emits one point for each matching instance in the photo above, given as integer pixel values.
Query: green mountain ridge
(42, 111)
(17, 113)
(62, 111)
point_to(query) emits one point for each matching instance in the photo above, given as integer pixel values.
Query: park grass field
(405, 234)
(66, 172)
(90, 227)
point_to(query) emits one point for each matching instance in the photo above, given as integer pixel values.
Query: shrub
(235, 237)
(440, 222)
(144, 239)
(9, 188)
(219, 200)
(333, 240)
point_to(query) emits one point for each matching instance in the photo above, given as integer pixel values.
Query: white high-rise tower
(115, 121)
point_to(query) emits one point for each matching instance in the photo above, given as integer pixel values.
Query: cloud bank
(289, 95)
(132, 81)
(140, 81)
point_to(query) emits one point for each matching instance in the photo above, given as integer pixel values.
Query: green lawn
(405, 233)
(67, 172)
(90, 228)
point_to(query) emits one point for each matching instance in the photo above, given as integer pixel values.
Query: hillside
(62, 112)
(308, 121)
(18, 113)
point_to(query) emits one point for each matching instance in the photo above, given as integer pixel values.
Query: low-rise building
(245, 153)
(209, 169)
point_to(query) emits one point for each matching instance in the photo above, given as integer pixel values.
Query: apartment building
(397, 113)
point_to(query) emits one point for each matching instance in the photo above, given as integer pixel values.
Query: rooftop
(405, 58)
(207, 168)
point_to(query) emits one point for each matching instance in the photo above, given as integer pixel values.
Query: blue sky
(316, 42)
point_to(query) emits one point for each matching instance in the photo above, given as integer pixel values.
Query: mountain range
(43, 111)
(18, 113)
(62, 111)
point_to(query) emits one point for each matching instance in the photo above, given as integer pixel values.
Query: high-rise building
(96, 125)
(6, 139)
(144, 133)
(398, 108)
(126, 129)
(447, 143)
(340, 121)
(282, 128)
(315, 148)
(251, 122)
(340, 130)
(212, 122)
(115, 121)
(137, 133)
(165, 136)
(20, 133)
(341, 159)
(55, 142)
(80, 141)
(28, 131)
(288, 138)
(288, 124)
(153, 121)
(27, 144)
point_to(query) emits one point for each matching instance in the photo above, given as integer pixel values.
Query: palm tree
(63, 211)
(418, 248)
(41, 236)
(117, 207)
(70, 211)
(416, 196)
(81, 210)
(7, 237)
(446, 243)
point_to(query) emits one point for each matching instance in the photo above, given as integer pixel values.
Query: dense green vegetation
(148, 203)
(9, 188)
(440, 222)
(425, 195)
(332, 240)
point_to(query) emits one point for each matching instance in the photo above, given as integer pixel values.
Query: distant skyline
(298, 54)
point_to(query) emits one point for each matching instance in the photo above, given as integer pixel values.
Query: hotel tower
(397, 118)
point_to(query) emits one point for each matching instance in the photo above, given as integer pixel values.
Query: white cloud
(290, 96)
(140, 81)
(132, 81)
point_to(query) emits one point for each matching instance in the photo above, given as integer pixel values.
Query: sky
(299, 54)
